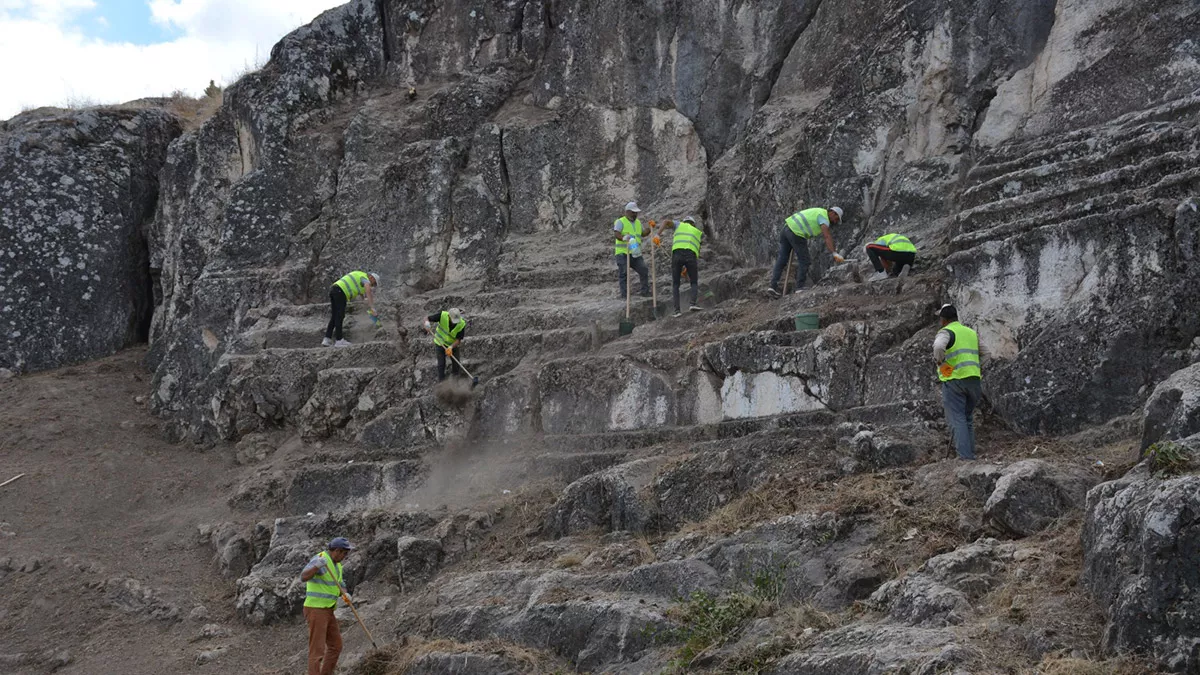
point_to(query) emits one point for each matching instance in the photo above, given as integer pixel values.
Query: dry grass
(566, 560)
(1071, 666)
(397, 659)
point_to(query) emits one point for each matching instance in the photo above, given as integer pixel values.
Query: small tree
(212, 90)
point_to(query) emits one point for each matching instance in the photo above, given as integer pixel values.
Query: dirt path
(104, 499)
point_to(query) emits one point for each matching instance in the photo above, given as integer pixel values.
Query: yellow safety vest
(634, 229)
(323, 590)
(897, 242)
(445, 335)
(963, 357)
(806, 224)
(687, 237)
(353, 284)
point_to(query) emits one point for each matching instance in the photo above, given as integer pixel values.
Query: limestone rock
(880, 648)
(419, 559)
(939, 593)
(609, 500)
(76, 191)
(1139, 538)
(1173, 410)
(1031, 494)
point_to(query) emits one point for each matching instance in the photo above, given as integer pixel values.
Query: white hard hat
(837, 210)
(632, 206)
(455, 314)
(375, 276)
(688, 219)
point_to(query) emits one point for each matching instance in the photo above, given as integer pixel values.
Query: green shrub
(1168, 459)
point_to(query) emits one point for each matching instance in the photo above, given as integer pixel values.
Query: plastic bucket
(807, 321)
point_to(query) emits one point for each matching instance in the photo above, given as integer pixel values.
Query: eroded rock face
(940, 592)
(1140, 540)
(1173, 410)
(76, 192)
(1032, 494)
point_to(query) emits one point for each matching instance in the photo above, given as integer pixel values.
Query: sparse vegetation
(1071, 666)
(1168, 459)
(708, 620)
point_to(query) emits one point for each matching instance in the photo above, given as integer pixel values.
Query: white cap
(632, 206)
(837, 210)
(375, 276)
(688, 219)
(455, 314)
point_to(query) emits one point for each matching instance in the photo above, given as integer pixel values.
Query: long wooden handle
(788, 274)
(628, 280)
(360, 621)
(653, 275)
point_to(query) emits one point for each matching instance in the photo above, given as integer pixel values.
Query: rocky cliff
(77, 192)
(1041, 154)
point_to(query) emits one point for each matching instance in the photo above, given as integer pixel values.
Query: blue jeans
(788, 242)
(639, 266)
(959, 398)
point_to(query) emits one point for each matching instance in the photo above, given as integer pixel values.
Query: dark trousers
(682, 259)
(959, 398)
(337, 303)
(442, 359)
(788, 242)
(898, 258)
(639, 266)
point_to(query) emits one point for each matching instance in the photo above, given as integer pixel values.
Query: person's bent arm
(828, 239)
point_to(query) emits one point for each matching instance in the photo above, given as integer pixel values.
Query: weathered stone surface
(1140, 539)
(979, 479)
(76, 191)
(940, 592)
(878, 649)
(609, 500)
(132, 597)
(1173, 410)
(1032, 494)
(418, 559)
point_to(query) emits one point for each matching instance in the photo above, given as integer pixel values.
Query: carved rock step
(1167, 175)
(1030, 175)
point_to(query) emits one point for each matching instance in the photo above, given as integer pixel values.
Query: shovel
(653, 275)
(474, 380)
(627, 323)
(346, 599)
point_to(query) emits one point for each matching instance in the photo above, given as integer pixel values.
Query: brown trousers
(324, 640)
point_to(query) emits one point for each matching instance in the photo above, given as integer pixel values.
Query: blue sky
(126, 21)
(79, 52)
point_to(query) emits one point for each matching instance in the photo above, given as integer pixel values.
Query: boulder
(940, 592)
(979, 479)
(1173, 409)
(418, 560)
(1032, 494)
(608, 500)
(77, 189)
(879, 648)
(1140, 543)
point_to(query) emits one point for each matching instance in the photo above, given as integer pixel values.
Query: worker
(323, 586)
(685, 261)
(343, 291)
(448, 329)
(630, 231)
(891, 255)
(799, 228)
(956, 352)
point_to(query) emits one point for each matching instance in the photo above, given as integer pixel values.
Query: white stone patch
(761, 394)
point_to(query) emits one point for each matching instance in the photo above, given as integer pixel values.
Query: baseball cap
(342, 543)
(375, 276)
(688, 219)
(632, 206)
(948, 311)
(455, 314)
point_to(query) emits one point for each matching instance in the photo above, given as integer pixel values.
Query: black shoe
(771, 291)
(677, 314)
(695, 308)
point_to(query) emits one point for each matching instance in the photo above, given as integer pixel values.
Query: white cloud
(51, 62)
